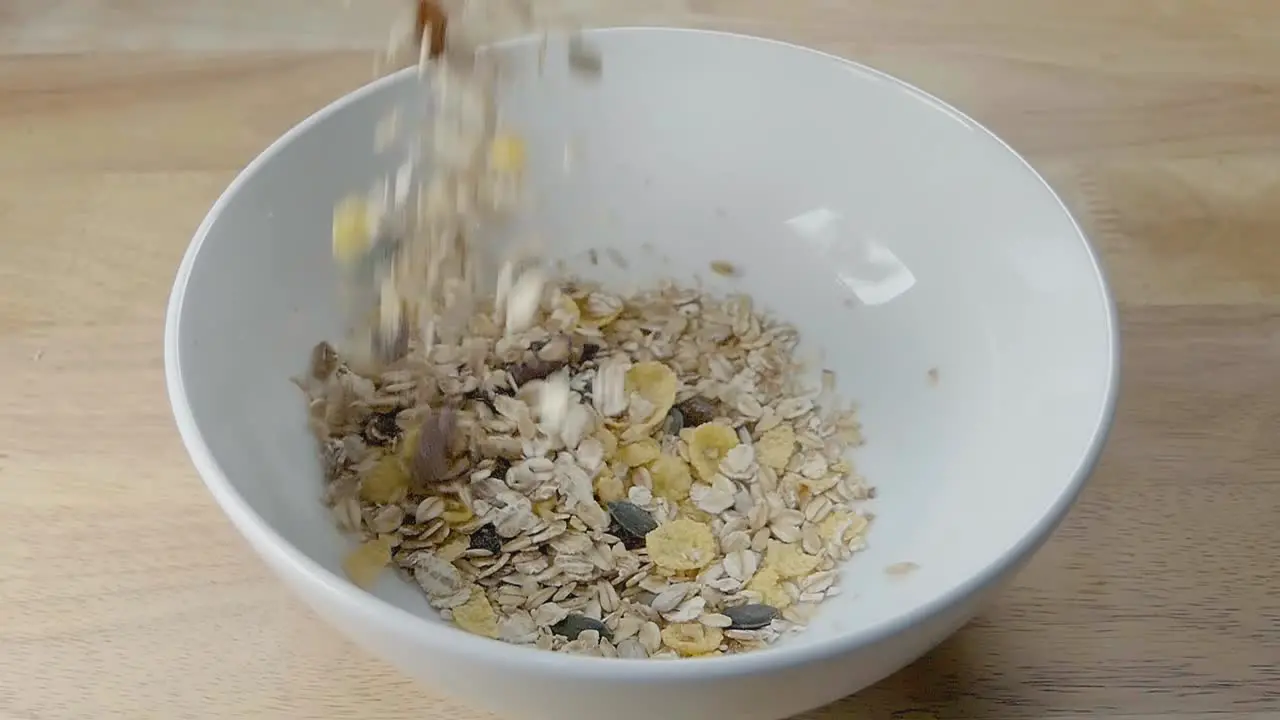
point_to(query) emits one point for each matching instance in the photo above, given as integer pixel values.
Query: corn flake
(609, 488)
(639, 453)
(768, 583)
(476, 615)
(351, 233)
(386, 483)
(692, 639)
(775, 447)
(656, 383)
(671, 478)
(682, 544)
(845, 524)
(608, 441)
(708, 444)
(456, 513)
(789, 559)
(365, 563)
(506, 154)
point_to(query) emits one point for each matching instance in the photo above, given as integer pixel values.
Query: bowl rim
(417, 630)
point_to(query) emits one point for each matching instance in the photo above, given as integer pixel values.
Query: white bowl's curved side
(518, 682)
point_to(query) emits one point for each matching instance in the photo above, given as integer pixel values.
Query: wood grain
(125, 594)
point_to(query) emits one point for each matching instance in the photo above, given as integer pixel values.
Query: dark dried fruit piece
(697, 410)
(589, 353)
(430, 462)
(575, 624)
(500, 468)
(632, 519)
(381, 429)
(752, 616)
(533, 368)
(486, 538)
(431, 17)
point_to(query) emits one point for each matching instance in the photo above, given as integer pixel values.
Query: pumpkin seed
(674, 422)
(752, 616)
(575, 624)
(697, 410)
(486, 538)
(631, 518)
(629, 541)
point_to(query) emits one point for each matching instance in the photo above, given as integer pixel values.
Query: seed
(697, 410)
(631, 518)
(753, 616)
(674, 422)
(381, 429)
(575, 624)
(500, 468)
(629, 541)
(486, 538)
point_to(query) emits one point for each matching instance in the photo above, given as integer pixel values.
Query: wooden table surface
(125, 594)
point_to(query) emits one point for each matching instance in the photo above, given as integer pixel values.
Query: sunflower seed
(574, 624)
(631, 518)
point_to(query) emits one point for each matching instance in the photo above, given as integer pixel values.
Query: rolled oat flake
(632, 519)
(752, 616)
(574, 624)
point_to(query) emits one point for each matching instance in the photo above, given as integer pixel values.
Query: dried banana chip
(671, 478)
(690, 639)
(364, 564)
(387, 482)
(639, 453)
(476, 615)
(682, 544)
(708, 444)
(789, 559)
(776, 447)
(657, 384)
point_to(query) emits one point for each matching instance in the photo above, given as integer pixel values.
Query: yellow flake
(789, 559)
(691, 639)
(641, 452)
(656, 383)
(476, 615)
(776, 447)
(365, 563)
(847, 524)
(351, 234)
(455, 513)
(386, 483)
(506, 154)
(609, 488)
(708, 444)
(544, 509)
(454, 549)
(687, 509)
(671, 478)
(767, 582)
(682, 544)
(599, 321)
(608, 441)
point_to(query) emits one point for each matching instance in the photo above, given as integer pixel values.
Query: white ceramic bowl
(901, 237)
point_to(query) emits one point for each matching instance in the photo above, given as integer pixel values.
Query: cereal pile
(632, 477)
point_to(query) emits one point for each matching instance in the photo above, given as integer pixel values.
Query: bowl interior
(922, 260)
